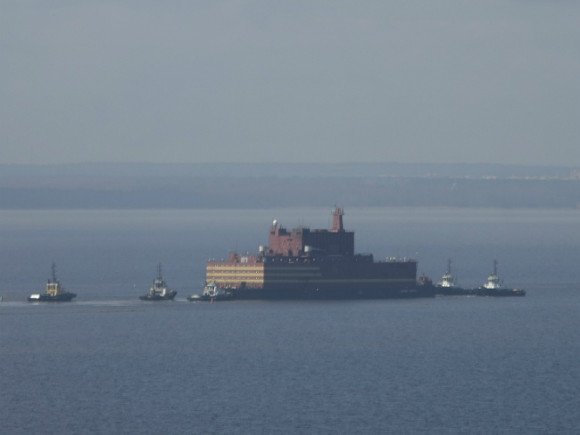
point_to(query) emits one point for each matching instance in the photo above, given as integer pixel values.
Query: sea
(110, 363)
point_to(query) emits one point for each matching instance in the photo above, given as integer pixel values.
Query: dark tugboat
(212, 292)
(494, 287)
(54, 291)
(159, 290)
(447, 285)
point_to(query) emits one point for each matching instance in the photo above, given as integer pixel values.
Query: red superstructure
(301, 241)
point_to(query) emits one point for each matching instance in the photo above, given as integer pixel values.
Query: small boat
(54, 291)
(494, 286)
(212, 292)
(447, 285)
(159, 290)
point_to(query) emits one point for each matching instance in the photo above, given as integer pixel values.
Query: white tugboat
(159, 290)
(54, 291)
(447, 285)
(494, 286)
(212, 292)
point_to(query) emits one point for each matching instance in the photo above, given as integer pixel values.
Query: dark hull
(168, 297)
(453, 291)
(335, 292)
(203, 298)
(502, 292)
(338, 278)
(65, 297)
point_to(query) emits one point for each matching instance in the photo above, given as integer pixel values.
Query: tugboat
(494, 287)
(212, 292)
(54, 291)
(447, 284)
(159, 290)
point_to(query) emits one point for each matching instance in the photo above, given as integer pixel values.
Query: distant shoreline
(136, 186)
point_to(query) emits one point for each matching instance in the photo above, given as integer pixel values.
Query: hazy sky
(265, 81)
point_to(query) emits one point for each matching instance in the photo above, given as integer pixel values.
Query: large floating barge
(315, 264)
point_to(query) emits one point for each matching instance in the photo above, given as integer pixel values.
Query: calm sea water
(109, 363)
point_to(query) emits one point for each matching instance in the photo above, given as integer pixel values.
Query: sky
(290, 81)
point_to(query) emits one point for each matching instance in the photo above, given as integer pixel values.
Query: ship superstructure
(159, 290)
(494, 286)
(314, 263)
(448, 285)
(493, 282)
(54, 291)
(212, 292)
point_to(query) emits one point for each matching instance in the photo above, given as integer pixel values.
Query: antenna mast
(337, 226)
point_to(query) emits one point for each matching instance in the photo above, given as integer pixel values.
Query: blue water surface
(109, 363)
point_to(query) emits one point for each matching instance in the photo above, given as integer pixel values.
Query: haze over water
(112, 254)
(100, 100)
(113, 363)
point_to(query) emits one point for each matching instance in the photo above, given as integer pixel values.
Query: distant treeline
(182, 191)
(159, 170)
